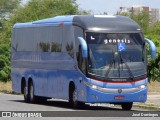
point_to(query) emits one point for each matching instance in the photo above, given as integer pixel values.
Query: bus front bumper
(96, 96)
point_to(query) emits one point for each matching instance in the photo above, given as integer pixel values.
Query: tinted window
(41, 39)
(25, 39)
(67, 45)
(49, 39)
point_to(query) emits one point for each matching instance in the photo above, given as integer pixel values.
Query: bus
(82, 59)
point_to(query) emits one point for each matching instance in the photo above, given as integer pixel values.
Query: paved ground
(10, 102)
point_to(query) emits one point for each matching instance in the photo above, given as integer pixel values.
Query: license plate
(119, 97)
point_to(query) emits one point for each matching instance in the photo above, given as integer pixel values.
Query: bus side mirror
(152, 47)
(84, 47)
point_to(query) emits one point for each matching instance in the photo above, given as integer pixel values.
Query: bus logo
(119, 90)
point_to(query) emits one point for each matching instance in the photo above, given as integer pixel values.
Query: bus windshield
(116, 55)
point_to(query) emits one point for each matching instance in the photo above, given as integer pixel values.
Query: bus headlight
(142, 86)
(91, 85)
(94, 86)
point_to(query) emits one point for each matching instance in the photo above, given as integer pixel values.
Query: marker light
(61, 24)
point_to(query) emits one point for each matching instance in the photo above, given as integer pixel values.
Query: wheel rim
(25, 92)
(74, 96)
(31, 93)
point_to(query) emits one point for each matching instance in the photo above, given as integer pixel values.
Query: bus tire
(73, 99)
(32, 97)
(26, 96)
(127, 105)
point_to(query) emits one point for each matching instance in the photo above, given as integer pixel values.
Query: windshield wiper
(110, 66)
(129, 70)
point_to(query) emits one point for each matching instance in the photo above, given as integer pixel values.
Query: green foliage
(154, 68)
(4, 62)
(153, 33)
(7, 6)
(142, 19)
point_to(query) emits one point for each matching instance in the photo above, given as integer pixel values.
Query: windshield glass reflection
(116, 55)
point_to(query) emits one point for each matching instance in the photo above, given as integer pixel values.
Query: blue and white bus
(82, 59)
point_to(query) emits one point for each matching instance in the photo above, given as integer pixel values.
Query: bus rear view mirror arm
(152, 47)
(84, 47)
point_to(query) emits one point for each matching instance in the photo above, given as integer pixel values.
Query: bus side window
(67, 44)
(48, 39)
(24, 36)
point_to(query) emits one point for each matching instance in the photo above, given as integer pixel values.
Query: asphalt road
(10, 102)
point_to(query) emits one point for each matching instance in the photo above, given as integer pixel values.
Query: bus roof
(97, 23)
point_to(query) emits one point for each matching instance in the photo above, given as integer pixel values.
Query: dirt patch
(154, 86)
(6, 87)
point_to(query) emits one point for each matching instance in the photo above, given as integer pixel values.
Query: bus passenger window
(67, 44)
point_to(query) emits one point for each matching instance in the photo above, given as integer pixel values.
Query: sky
(112, 6)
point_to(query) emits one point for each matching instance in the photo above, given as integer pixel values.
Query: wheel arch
(30, 80)
(71, 87)
(23, 84)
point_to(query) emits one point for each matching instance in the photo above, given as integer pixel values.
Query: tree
(153, 33)
(4, 62)
(40, 9)
(7, 6)
(142, 19)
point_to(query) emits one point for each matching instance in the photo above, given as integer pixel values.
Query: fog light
(142, 96)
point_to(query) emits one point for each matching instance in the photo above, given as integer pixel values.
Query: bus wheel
(32, 97)
(26, 96)
(73, 100)
(127, 105)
